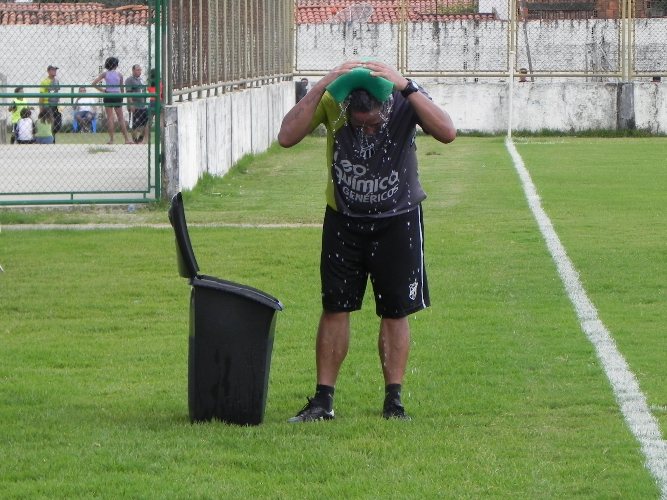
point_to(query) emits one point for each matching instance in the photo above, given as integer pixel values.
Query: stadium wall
(571, 106)
(586, 46)
(210, 135)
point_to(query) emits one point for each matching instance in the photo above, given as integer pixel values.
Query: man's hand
(387, 72)
(434, 120)
(296, 123)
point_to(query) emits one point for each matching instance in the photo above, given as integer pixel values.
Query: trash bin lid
(187, 264)
(188, 268)
(248, 292)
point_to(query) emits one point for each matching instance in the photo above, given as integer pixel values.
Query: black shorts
(388, 250)
(114, 102)
(139, 117)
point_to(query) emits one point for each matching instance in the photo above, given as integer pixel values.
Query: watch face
(411, 88)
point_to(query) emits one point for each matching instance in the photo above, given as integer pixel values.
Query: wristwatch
(410, 88)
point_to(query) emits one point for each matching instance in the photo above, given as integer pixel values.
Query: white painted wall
(78, 50)
(216, 132)
(563, 106)
(568, 106)
(651, 107)
(587, 45)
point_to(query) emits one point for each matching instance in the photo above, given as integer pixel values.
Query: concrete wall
(587, 45)
(568, 107)
(78, 50)
(210, 135)
(651, 107)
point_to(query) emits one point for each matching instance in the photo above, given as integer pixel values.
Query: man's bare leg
(394, 348)
(333, 340)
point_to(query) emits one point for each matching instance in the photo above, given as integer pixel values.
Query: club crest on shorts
(413, 290)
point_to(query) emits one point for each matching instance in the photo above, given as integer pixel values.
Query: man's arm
(131, 89)
(296, 124)
(434, 120)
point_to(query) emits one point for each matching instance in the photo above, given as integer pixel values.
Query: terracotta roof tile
(71, 13)
(307, 12)
(384, 11)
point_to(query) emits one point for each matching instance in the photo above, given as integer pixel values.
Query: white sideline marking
(626, 389)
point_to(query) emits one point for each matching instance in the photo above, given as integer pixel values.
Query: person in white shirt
(25, 128)
(85, 110)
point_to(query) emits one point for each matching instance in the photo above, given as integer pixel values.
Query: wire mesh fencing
(649, 38)
(77, 111)
(601, 40)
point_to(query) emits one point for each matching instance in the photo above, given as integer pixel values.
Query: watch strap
(410, 88)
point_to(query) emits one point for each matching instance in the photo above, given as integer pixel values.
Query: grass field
(507, 395)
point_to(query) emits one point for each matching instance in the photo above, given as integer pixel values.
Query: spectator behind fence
(18, 104)
(113, 101)
(152, 80)
(85, 110)
(137, 106)
(51, 85)
(656, 79)
(523, 78)
(301, 89)
(43, 130)
(25, 128)
(151, 85)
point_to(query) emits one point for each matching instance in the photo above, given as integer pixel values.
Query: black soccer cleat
(394, 409)
(312, 412)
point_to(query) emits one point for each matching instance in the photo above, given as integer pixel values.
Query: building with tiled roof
(71, 13)
(330, 11)
(385, 11)
(391, 11)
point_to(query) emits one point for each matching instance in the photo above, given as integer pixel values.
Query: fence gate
(64, 139)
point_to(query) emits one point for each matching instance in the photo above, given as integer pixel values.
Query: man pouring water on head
(373, 224)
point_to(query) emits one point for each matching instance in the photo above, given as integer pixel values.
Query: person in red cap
(51, 85)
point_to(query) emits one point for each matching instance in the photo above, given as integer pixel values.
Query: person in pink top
(113, 101)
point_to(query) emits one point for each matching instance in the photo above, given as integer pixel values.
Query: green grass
(101, 137)
(506, 392)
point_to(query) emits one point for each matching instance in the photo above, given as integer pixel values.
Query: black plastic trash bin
(231, 339)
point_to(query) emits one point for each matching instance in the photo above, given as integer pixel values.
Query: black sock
(324, 395)
(392, 391)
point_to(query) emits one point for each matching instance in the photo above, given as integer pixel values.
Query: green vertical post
(159, 29)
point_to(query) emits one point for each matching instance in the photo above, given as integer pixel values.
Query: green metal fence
(60, 107)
